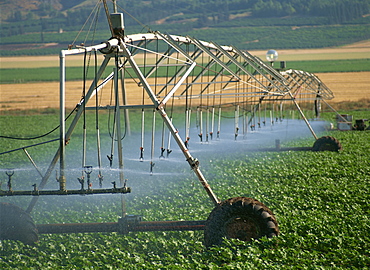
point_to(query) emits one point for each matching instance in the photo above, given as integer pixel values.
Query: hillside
(206, 12)
(34, 9)
(47, 26)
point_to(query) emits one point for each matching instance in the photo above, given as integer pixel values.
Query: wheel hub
(243, 229)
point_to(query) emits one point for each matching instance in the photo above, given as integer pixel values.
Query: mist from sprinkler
(167, 170)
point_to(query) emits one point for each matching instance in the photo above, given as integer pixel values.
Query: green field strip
(320, 66)
(50, 74)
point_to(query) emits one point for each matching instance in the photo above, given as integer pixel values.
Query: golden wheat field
(349, 86)
(346, 86)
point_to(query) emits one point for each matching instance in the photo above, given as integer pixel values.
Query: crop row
(293, 21)
(285, 37)
(320, 200)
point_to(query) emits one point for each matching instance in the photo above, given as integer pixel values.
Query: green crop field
(320, 66)
(45, 74)
(320, 200)
(247, 34)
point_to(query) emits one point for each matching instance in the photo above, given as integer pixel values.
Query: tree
(17, 16)
(288, 9)
(202, 20)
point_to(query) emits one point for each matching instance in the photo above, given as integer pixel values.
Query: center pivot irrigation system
(165, 71)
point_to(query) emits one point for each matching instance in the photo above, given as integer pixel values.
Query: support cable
(135, 19)
(95, 19)
(108, 17)
(97, 6)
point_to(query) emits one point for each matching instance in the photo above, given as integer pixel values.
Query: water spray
(237, 76)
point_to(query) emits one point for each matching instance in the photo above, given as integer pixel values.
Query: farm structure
(169, 71)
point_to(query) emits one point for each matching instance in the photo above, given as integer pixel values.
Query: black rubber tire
(327, 143)
(242, 218)
(16, 224)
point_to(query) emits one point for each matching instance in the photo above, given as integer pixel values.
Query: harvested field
(347, 86)
(46, 95)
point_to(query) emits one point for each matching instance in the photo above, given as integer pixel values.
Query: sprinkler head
(9, 172)
(88, 169)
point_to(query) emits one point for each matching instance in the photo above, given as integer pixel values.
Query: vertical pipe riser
(192, 162)
(62, 134)
(303, 116)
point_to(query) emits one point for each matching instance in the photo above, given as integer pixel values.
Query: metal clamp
(127, 222)
(162, 153)
(194, 163)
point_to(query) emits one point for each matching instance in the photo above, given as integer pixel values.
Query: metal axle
(121, 227)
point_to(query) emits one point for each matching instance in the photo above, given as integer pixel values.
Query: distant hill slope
(10, 7)
(21, 9)
(44, 26)
(205, 11)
